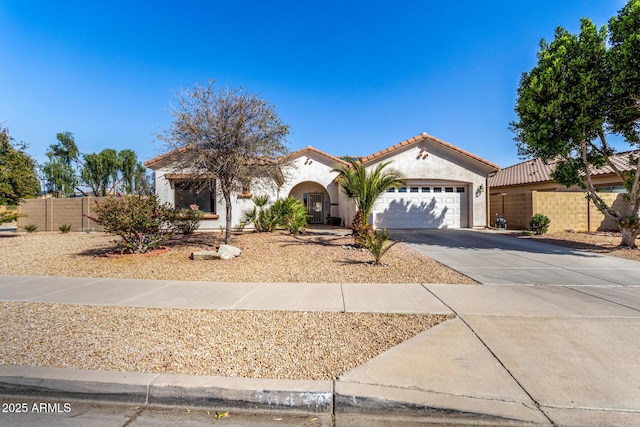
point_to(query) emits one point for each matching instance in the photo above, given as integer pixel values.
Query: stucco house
(446, 187)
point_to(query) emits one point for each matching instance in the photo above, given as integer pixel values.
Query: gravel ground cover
(602, 242)
(266, 257)
(255, 344)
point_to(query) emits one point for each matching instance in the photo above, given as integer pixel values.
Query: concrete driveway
(494, 258)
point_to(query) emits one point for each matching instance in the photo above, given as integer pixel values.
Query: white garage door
(422, 206)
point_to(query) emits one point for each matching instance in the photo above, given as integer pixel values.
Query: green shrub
(289, 213)
(9, 215)
(30, 228)
(186, 221)
(375, 243)
(336, 221)
(539, 223)
(256, 216)
(142, 222)
(65, 228)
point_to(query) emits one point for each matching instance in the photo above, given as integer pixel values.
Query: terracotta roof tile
(536, 170)
(301, 152)
(426, 137)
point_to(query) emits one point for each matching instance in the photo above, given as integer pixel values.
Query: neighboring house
(519, 191)
(445, 187)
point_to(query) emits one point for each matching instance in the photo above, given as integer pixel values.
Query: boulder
(228, 252)
(204, 255)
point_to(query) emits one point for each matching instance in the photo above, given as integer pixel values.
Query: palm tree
(364, 188)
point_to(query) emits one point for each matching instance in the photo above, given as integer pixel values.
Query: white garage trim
(426, 205)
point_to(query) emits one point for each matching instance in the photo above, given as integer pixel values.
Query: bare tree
(227, 133)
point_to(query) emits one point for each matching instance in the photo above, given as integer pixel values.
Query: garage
(423, 206)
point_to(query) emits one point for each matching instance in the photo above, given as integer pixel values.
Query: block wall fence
(50, 213)
(566, 210)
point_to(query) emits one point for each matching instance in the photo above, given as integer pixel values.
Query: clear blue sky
(349, 77)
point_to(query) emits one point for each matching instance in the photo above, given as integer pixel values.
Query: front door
(315, 208)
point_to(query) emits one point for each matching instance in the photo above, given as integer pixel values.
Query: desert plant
(65, 228)
(525, 233)
(375, 243)
(256, 216)
(6, 216)
(142, 222)
(291, 214)
(186, 221)
(539, 223)
(364, 188)
(30, 228)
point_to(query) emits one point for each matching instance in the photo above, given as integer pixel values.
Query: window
(402, 190)
(612, 189)
(437, 189)
(459, 189)
(426, 189)
(391, 190)
(187, 194)
(414, 189)
(448, 189)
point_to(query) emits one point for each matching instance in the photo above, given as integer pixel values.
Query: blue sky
(349, 77)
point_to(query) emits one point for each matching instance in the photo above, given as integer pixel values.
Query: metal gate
(315, 204)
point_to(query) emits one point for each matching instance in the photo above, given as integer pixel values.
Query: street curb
(248, 394)
(357, 399)
(342, 399)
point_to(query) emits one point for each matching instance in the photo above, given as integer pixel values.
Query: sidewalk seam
(602, 298)
(535, 402)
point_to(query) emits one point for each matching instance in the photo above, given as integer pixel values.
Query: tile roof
(426, 137)
(308, 148)
(164, 159)
(158, 161)
(537, 170)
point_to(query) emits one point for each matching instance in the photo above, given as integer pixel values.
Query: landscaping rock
(204, 255)
(228, 251)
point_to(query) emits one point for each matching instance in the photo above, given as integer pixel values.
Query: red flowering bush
(142, 221)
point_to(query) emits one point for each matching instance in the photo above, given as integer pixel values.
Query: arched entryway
(316, 199)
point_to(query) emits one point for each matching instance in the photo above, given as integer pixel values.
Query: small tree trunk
(227, 234)
(629, 236)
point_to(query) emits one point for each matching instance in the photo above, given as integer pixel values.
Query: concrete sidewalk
(541, 355)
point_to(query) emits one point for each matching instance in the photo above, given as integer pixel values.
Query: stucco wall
(444, 166)
(165, 189)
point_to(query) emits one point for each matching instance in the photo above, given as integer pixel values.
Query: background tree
(564, 109)
(143, 183)
(18, 178)
(60, 170)
(365, 188)
(110, 170)
(228, 133)
(99, 169)
(127, 162)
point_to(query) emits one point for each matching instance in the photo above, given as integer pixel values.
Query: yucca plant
(65, 228)
(376, 244)
(30, 228)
